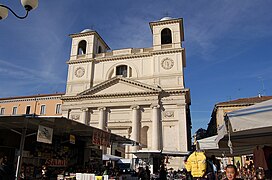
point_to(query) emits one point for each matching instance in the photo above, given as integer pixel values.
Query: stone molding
(88, 34)
(84, 109)
(102, 108)
(116, 80)
(75, 117)
(121, 95)
(30, 99)
(169, 114)
(79, 72)
(135, 107)
(167, 63)
(170, 21)
(122, 57)
(109, 96)
(152, 106)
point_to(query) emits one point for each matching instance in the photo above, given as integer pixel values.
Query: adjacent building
(220, 110)
(41, 104)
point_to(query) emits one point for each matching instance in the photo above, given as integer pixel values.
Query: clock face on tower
(167, 63)
(79, 72)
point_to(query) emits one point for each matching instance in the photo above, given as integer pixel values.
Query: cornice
(30, 99)
(177, 91)
(123, 95)
(108, 96)
(170, 21)
(80, 61)
(88, 34)
(169, 51)
(115, 80)
(234, 105)
(83, 34)
(122, 57)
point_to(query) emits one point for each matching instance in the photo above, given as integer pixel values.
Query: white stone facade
(137, 93)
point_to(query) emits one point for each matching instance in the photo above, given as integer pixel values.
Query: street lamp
(27, 4)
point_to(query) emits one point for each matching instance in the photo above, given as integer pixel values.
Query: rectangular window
(2, 112)
(58, 109)
(14, 110)
(28, 109)
(42, 109)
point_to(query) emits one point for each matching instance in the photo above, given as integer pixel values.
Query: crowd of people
(210, 169)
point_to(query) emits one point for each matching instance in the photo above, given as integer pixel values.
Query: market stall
(247, 128)
(55, 141)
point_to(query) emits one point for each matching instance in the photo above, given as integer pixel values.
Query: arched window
(166, 36)
(121, 70)
(82, 47)
(99, 49)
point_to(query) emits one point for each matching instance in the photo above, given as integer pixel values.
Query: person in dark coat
(6, 170)
(163, 173)
(148, 172)
(142, 174)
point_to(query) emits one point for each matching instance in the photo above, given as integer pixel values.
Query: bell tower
(167, 33)
(86, 45)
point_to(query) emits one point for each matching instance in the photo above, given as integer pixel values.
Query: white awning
(109, 157)
(208, 143)
(125, 161)
(247, 127)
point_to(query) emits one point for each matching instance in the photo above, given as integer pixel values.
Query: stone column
(136, 128)
(84, 115)
(156, 127)
(102, 125)
(102, 118)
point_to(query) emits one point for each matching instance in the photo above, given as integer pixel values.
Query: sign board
(45, 134)
(56, 162)
(101, 138)
(72, 139)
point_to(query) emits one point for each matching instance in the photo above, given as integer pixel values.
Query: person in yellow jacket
(196, 164)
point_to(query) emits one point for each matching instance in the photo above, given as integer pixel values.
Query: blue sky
(228, 44)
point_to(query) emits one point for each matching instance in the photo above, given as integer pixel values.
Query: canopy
(109, 157)
(246, 128)
(208, 143)
(211, 147)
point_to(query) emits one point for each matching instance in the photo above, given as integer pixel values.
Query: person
(238, 164)
(216, 162)
(45, 173)
(231, 172)
(142, 174)
(163, 173)
(260, 173)
(148, 172)
(2, 171)
(6, 171)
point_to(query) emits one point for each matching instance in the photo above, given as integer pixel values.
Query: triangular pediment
(120, 86)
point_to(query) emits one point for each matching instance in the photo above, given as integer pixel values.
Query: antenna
(262, 83)
(92, 26)
(166, 14)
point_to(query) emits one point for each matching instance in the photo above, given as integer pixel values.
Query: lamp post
(27, 4)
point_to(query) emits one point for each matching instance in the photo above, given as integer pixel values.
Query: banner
(56, 162)
(45, 134)
(72, 139)
(101, 138)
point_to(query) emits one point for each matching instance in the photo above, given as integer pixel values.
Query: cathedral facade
(137, 93)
